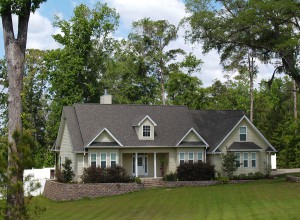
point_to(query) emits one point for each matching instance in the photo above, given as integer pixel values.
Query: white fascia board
(198, 135)
(62, 124)
(237, 124)
(105, 129)
(147, 117)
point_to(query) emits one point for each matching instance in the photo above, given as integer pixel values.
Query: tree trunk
(15, 57)
(251, 76)
(295, 100)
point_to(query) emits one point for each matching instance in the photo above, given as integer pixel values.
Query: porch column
(155, 165)
(136, 165)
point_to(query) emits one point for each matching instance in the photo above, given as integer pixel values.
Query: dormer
(145, 128)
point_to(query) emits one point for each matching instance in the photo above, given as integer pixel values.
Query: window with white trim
(246, 158)
(181, 158)
(191, 157)
(60, 162)
(93, 160)
(253, 159)
(238, 159)
(103, 160)
(113, 159)
(200, 157)
(146, 131)
(243, 133)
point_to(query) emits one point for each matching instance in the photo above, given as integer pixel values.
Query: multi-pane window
(237, 159)
(200, 156)
(113, 159)
(93, 160)
(146, 131)
(191, 157)
(246, 160)
(243, 133)
(103, 160)
(253, 159)
(181, 158)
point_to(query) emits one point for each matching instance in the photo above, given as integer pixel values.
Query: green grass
(264, 199)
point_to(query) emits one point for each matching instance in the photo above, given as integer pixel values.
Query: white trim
(198, 135)
(147, 117)
(110, 160)
(105, 129)
(237, 124)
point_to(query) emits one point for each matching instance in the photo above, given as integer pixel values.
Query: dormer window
(146, 131)
(243, 133)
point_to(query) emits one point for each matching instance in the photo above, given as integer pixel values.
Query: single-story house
(143, 138)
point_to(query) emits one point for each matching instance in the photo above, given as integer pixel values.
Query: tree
(229, 165)
(75, 70)
(270, 27)
(152, 39)
(15, 57)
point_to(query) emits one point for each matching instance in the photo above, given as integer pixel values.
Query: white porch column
(155, 165)
(136, 165)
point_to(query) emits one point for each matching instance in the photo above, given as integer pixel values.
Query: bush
(229, 165)
(66, 175)
(250, 176)
(116, 174)
(170, 177)
(92, 175)
(195, 171)
(223, 179)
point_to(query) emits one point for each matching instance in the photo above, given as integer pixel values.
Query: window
(146, 131)
(103, 160)
(200, 156)
(181, 158)
(243, 133)
(113, 159)
(60, 162)
(191, 157)
(245, 159)
(93, 160)
(253, 160)
(238, 159)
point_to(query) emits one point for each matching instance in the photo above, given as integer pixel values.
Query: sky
(41, 30)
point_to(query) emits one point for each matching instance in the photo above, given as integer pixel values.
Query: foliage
(170, 177)
(116, 174)
(137, 180)
(270, 27)
(67, 172)
(229, 163)
(223, 179)
(195, 171)
(250, 176)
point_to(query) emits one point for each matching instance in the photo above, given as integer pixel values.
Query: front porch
(145, 165)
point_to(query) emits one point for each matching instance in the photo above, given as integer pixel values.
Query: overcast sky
(41, 30)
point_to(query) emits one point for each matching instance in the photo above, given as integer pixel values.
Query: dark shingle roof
(85, 121)
(244, 146)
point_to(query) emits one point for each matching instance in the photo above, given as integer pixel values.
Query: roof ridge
(147, 105)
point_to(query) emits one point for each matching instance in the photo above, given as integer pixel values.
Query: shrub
(223, 179)
(67, 172)
(195, 171)
(137, 180)
(92, 175)
(59, 177)
(116, 174)
(170, 177)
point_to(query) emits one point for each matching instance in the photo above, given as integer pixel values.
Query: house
(146, 138)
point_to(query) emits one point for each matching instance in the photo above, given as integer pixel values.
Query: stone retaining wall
(62, 192)
(293, 179)
(189, 183)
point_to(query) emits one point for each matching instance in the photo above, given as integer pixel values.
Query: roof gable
(140, 122)
(192, 140)
(99, 138)
(236, 125)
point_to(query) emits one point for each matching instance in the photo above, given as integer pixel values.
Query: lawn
(264, 199)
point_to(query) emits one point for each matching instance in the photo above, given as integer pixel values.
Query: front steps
(152, 182)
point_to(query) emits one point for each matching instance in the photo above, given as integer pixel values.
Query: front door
(142, 164)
